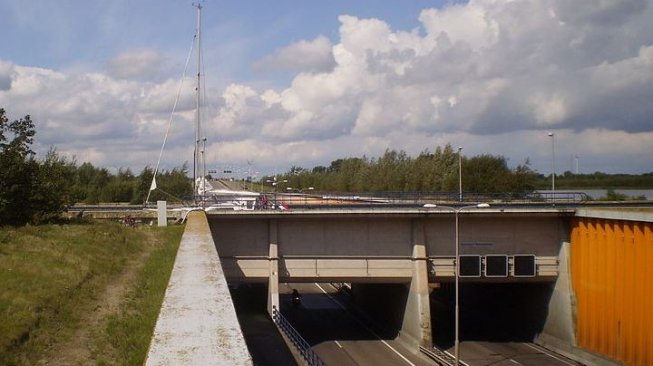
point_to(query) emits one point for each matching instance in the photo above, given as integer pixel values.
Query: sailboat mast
(196, 157)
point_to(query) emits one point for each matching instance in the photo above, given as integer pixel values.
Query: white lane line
(513, 361)
(548, 353)
(454, 357)
(365, 326)
(338, 344)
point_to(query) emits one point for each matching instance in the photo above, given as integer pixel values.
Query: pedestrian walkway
(197, 324)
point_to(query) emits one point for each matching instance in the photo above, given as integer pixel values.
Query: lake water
(599, 193)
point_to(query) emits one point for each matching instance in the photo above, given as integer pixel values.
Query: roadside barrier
(297, 340)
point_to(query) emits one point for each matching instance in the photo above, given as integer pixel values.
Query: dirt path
(81, 348)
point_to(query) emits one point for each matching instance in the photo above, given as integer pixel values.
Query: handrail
(298, 341)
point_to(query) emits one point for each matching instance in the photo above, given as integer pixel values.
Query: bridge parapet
(197, 323)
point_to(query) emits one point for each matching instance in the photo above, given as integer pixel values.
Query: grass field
(81, 294)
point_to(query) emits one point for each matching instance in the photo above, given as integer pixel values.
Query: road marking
(546, 352)
(338, 344)
(513, 361)
(454, 357)
(365, 326)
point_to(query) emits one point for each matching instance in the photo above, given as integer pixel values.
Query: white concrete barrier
(197, 324)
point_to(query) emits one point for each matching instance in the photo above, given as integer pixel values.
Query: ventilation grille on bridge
(470, 266)
(496, 266)
(524, 266)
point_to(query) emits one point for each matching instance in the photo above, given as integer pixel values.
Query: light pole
(460, 174)
(553, 166)
(576, 164)
(456, 211)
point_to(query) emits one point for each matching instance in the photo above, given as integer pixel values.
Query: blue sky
(306, 82)
(73, 34)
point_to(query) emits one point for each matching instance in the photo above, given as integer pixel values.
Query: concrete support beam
(558, 329)
(416, 325)
(273, 282)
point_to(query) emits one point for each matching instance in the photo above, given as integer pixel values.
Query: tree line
(435, 171)
(93, 185)
(37, 190)
(569, 180)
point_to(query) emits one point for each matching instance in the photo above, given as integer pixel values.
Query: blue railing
(297, 340)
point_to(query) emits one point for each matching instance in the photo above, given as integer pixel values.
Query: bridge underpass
(499, 322)
(343, 332)
(385, 254)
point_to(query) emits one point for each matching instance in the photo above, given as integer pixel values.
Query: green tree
(485, 173)
(142, 185)
(52, 190)
(171, 185)
(17, 169)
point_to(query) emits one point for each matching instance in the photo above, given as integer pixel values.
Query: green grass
(130, 331)
(51, 278)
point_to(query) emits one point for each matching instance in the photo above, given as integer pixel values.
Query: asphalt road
(509, 354)
(336, 335)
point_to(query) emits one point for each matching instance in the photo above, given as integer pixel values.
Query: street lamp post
(553, 166)
(460, 175)
(456, 211)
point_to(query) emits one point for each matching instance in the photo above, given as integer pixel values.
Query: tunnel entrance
(490, 312)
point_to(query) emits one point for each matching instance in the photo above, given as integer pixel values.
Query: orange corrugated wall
(612, 277)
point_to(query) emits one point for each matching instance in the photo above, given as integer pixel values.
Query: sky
(302, 83)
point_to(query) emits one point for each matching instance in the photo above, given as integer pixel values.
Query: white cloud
(469, 23)
(309, 56)
(627, 72)
(549, 110)
(6, 75)
(599, 12)
(490, 75)
(138, 64)
(486, 67)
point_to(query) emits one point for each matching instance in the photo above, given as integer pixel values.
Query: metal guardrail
(298, 341)
(412, 198)
(438, 356)
(320, 200)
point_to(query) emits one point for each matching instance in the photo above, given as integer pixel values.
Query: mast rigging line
(174, 108)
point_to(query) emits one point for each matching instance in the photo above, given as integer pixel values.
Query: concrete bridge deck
(197, 324)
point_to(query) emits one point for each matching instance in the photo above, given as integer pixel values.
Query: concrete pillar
(416, 325)
(162, 213)
(273, 282)
(558, 332)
